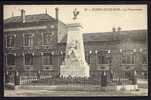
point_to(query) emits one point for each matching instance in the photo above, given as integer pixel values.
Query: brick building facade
(38, 42)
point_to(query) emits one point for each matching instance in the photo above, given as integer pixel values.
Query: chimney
(56, 13)
(119, 29)
(46, 10)
(12, 14)
(113, 29)
(23, 15)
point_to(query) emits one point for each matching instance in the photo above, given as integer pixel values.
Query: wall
(58, 45)
(37, 47)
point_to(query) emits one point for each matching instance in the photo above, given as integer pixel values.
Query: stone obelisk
(74, 64)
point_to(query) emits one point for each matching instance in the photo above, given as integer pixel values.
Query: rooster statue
(75, 14)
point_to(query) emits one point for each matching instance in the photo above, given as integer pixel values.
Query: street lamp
(96, 52)
(90, 52)
(134, 50)
(120, 50)
(140, 49)
(109, 51)
(52, 53)
(61, 52)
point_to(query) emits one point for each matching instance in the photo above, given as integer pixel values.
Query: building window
(11, 41)
(47, 59)
(100, 59)
(10, 59)
(89, 59)
(104, 57)
(28, 59)
(144, 57)
(144, 60)
(28, 40)
(62, 56)
(128, 57)
(123, 59)
(47, 38)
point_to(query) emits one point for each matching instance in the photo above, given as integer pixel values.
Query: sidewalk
(50, 92)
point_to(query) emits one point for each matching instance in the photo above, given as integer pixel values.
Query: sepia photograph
(75, 50)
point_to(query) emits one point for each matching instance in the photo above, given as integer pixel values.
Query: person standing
(104, 80)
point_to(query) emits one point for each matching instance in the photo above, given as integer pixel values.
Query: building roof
(106, 36)
(140, 35)
(109, 36)
(30, 18)
(88, 37)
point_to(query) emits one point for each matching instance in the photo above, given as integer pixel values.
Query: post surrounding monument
(74, 64)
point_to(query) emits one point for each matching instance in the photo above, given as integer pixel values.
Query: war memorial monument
(75, 64)
(44, 56)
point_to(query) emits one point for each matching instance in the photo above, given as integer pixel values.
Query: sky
(94, 18)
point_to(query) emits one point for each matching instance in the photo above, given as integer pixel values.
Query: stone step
(69, 87)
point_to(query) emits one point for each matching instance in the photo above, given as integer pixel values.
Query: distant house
(37, 42)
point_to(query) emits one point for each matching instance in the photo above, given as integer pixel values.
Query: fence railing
(104, 78)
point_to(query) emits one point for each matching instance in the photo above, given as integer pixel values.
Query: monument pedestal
(74, 64)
